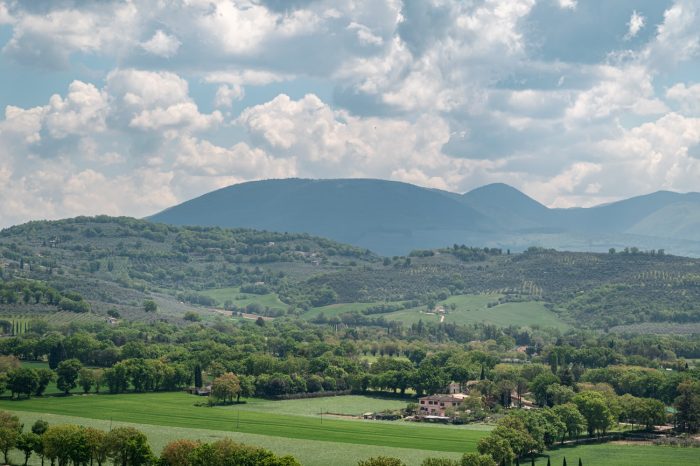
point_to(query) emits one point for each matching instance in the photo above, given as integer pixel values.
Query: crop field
(474, 309)
(233, 294)
(178, 410)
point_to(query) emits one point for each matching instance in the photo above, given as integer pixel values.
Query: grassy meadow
(472, 309)
(295, 427)
(233, 294)
(178, 410)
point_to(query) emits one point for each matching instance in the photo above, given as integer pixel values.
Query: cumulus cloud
(162, 44)
(442, 93)
(687, 98)
(225, 95)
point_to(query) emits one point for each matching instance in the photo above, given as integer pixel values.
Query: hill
(394, 218)
(91, 266)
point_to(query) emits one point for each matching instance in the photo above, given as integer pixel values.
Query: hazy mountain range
(393, 218)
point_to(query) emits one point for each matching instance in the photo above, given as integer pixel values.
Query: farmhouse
(436, 405)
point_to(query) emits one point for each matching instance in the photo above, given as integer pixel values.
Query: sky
(129, 107)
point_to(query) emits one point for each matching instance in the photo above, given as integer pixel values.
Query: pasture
(234, 294)
(470, 309)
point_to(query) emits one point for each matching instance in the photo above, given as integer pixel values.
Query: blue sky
(128, 107)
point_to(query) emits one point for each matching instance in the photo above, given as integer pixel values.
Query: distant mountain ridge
(393, 218)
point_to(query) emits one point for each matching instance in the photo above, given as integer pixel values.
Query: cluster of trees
(34, 292)
(468, 459)
(220, 453)
(67, 444)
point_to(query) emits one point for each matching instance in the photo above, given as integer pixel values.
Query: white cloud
(365, 35)
(627, 88)
(225, 95)
(5, 16)
(162, 44)
(636, 23)
(568, 4)
(47, 40)
(686, 97)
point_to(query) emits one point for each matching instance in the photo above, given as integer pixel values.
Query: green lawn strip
(177, 410)
(622, 455)
(349, 404)
(308, 452)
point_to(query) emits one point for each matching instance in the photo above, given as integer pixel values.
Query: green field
(623, 455)
(294, 427)
(178, 410)
(308, 452)
(233, 294)
(354, 405)
(474, 309)
(336, 309)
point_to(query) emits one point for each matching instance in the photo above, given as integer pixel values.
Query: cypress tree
(549, 463)
(517, 462)
(56, 355)
(580, 463)
(533, 461)
(564, 463)
(483, 374)
(198, 376)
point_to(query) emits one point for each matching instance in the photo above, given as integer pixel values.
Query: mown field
(295, 427)
(178, 410)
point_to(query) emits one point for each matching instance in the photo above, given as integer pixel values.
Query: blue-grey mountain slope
(393, 218)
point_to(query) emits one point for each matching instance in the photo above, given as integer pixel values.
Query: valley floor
(296, 427)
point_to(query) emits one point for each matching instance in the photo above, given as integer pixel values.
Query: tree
(28, 443)
(497, 448)
(45, 377)
(65, 443)
(593, 407)
(573, 420)
(539, 386)
(39, 428)
(226, 387)
(96, 445)
(381, 461)
(10, 429)
(22, 380)
(67, 374)
(439, 462)
(57, 353)
(150, 306)
(687, 405)
(128, 447)
(198, 376)
(475, 459)
(177, 452)
(86, 379)
(117, 378)
(247, 387)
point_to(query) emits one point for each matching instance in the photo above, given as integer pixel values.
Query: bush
(381, 461)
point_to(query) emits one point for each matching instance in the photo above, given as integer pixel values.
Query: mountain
(393, 218)
(384, 216)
